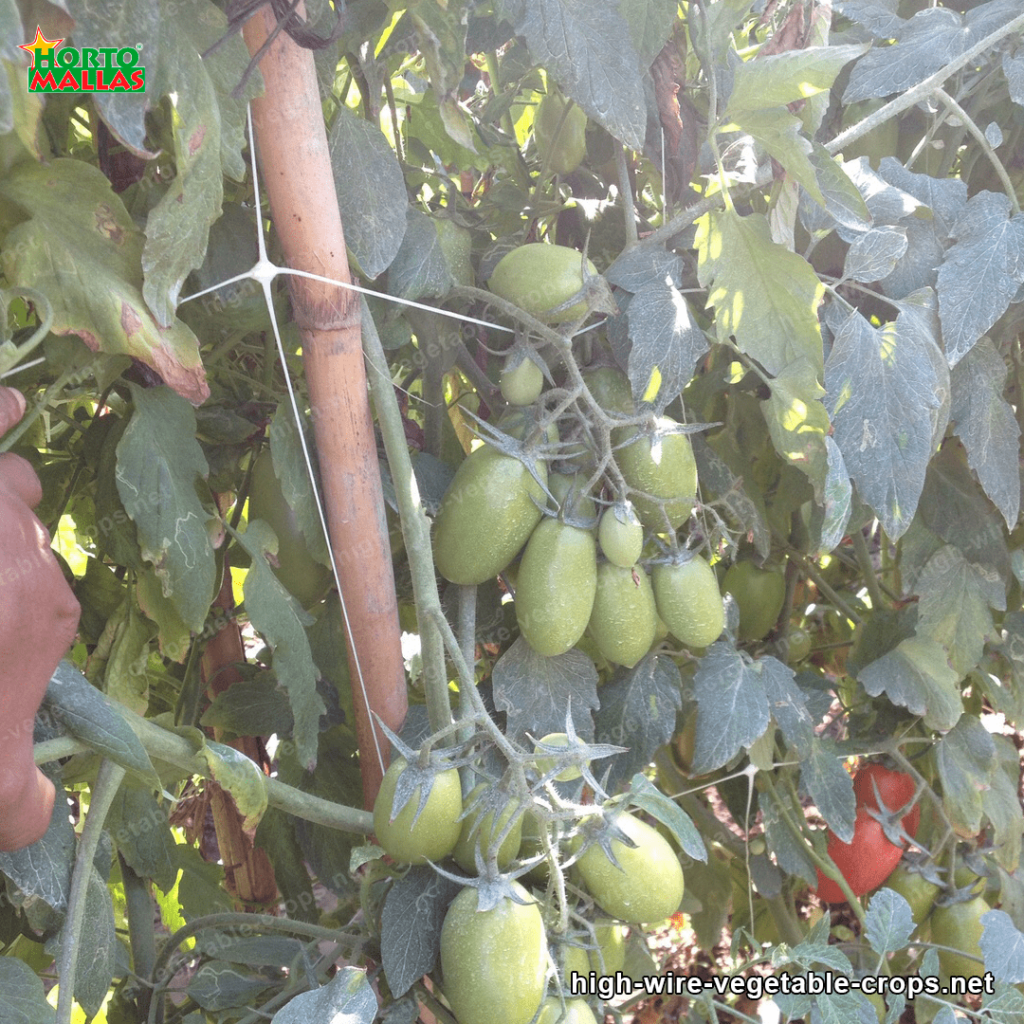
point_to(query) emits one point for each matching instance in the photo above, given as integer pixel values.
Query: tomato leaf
(666, 343)
(954, 606)
(981, 273)
(588, 49)
(798, 422)
(782, 78)
(241, 777)
(24, 998)
(250, 707)
(875, 253)
(987, 426)
(536, 691)
(916, 675)
(78, 221)
(222, 986)
(91, 717)
(371, 191)
(276, 837)
(411, 920)
(650, 25)
(638, 710)
(645, 795)
(1003, 946)
(158, 462)
(635, 267)
(1003, 809)
(177, 228)
(888, 923)
(139, 826)
(419, 268)
(279, 618)
(965, 758)
(347, 997)
(1006, 692)
(765, 295)
(95, 957)
(733, 706)
(883, 385)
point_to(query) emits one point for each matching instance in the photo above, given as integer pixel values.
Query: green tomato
(563, 152)
(798, 644)
(434, 834)
(611, 390)
(537, 277)
(689, 601)
(576, 1012)
(621, 534)
(487, 514)
(478, 828)
(660, 463)
(760, 594)
(522, 384)
(300, 574)
(546, 764)
(960, 927)
(555, 586)
(565, 489)
(623, 622)
(521, 421)
(880, 142)
(915, 889)
(573, 959)
(494, 961)
(647, 883)
(611, 942)
(532, 846)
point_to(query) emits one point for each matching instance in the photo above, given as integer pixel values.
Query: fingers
(26, 820)
(18, 478)
(12, 408)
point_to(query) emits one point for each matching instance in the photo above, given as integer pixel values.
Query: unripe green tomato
(436, 831)
(546, 764)
(457, 247)
(689, 601)
(621, 534)
(564, 152)
(647, 884)
(479, 829)
(300, 574)
(576, 1012)
(487, 514)
(611, 390)
(798, 644)
(759, 593)
(532, 846)
(915, 889)
(573, 959)
(565, 489)
(964, 876)
(611, 952)
(522, 384)
(659, 463)
(494, 961)
(623, 621)
(520, 421)
(555, 586)
(537, 277)
(960, 927)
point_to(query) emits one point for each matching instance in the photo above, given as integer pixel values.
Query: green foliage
(796, 343)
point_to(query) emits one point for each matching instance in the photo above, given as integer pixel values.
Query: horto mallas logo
(57, 68)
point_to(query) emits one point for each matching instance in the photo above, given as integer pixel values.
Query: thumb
(12, 408)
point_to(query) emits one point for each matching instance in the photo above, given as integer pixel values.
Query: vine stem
(923, 88)
(867, 567)
(979, 137)
(415, 526)
(108, 781)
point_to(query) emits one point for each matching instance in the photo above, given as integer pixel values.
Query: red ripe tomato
(895, 789)
(865, 862)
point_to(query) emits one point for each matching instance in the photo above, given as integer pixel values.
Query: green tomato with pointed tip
(522, 384)
(561, 150)
(959, 926)
(646, 884)
(479, 829)
(556, 586)
(486, 516)
(660, 463)
(433, 835)
(624, 620)
(621, 534)
(689, 601)
(494, 962)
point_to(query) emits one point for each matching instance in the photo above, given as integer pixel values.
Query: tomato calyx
(563, 756)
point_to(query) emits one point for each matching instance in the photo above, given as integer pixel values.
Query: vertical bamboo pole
(297, 177)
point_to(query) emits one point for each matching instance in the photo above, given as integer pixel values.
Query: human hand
(38, 621)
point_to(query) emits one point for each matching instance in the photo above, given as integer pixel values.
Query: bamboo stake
(297, 176)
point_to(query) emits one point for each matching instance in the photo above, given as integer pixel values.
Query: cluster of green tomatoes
(498, 945)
